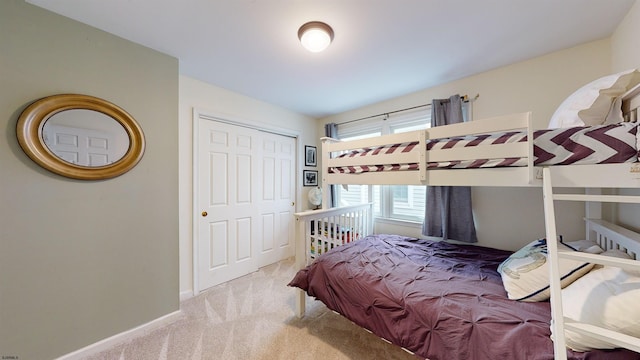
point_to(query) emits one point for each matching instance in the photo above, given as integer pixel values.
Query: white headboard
(613, 237)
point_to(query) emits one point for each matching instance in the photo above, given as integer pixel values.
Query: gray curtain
(331, 130)
(448, 213)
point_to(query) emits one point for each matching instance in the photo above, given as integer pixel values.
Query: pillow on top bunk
(595, 103)
(605, 297)
(525, 274)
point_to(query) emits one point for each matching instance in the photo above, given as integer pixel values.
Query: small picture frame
(309, 178)
(310, 155)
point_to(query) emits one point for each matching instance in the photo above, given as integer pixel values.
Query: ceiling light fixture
(315, 36)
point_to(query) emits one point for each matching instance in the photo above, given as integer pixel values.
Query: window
(398, 202)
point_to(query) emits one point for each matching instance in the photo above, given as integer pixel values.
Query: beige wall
(625, 54)
(212, 100)
(81, 261)
(510, 217)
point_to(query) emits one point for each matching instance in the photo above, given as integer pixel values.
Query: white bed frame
(508, 176)
(626, 175)
(609, 236)
(322, 230)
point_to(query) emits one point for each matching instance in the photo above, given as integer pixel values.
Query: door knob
(293, 204)
(204, 213)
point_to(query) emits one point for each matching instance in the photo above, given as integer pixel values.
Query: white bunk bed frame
(609, 236)
(599, 175)
(322, 230)
(506, 176)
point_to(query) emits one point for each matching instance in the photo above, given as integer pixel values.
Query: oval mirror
(80, 136)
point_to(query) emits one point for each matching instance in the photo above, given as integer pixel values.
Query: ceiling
(382, 48)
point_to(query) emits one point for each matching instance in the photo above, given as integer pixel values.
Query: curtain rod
(465, 98)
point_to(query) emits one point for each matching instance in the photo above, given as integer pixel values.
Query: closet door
(277, 198)
(245, 195)
(228, 183)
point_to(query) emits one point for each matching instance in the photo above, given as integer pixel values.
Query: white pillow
(525, 274)
(618, 254)
(605, 297)
(593, 104)
(588, 246)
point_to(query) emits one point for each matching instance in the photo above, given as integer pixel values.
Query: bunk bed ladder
(559, 323)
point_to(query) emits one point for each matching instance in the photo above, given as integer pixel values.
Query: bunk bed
(446, 301)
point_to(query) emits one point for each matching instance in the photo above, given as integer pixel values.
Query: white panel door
(228, 198)
(245, 201)
(81, 146)
(277, 198)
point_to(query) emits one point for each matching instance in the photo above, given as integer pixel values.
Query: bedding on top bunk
(602, 144)
(439, 300)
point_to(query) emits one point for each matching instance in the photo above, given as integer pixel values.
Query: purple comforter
(438, 300)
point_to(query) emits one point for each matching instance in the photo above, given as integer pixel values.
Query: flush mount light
(315, 36)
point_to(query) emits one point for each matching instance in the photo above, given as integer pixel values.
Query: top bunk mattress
(602, 144)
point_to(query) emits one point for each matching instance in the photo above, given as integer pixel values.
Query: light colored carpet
(253, 318)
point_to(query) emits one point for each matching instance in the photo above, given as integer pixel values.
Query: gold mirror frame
(30, 136)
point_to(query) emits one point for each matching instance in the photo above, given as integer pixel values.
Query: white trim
(194, 204)
(397, 222)
(232, 120)
(115, 340)
(186, 295)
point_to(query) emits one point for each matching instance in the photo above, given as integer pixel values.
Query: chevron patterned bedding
(602, 144)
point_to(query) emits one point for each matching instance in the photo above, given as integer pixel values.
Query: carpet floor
(252, 317)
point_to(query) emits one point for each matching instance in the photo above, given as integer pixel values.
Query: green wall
(81, 261)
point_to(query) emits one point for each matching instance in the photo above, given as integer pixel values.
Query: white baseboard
(186, 295)
(122, 337)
